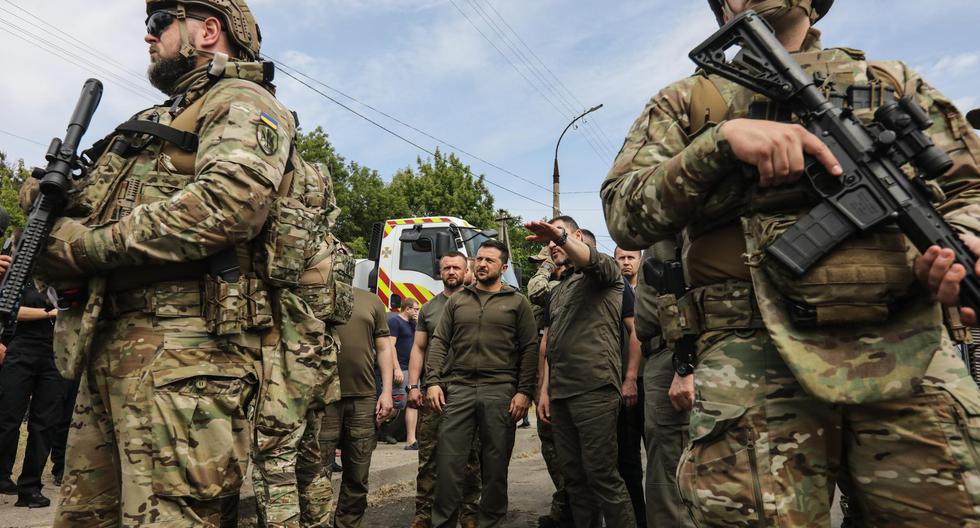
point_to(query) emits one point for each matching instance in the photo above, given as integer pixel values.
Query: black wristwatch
(413, 386)
(563, 238)
(683, 365)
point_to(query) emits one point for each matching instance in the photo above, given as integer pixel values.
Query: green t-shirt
(357, 354)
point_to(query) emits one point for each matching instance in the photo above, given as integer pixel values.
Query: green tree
(10, 179)
(360, 191)
(442, 186)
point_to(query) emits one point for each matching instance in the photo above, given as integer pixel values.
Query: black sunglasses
(159, 21)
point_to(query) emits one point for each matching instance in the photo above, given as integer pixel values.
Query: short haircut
(498, 245)
(588, 237)
(454, 254)
(409, 303)
(567, 220)
(618, 249)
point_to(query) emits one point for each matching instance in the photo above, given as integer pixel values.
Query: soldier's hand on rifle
(681, 392)
(935, 269)
(435, 399)
(776, 149)
(5, 261)
(518, 406)
(62, 258)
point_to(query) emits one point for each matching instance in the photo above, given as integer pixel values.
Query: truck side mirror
(444, 244)
(395, 302)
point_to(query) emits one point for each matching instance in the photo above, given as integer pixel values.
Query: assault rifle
(873, 189)
(63, 163)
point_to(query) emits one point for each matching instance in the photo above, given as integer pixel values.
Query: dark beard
(165, 73)
(489, 280)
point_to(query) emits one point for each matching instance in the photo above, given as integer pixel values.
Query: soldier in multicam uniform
(872, 384)
(196, 290)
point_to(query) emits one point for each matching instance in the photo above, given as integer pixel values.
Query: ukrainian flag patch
(268, 120)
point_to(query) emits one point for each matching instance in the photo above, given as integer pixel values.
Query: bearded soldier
(193, 290)
(868, 380)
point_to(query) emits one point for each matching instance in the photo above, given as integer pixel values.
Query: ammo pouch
(74, 330)
(230, 308)
(227, 308)
(326, 284)
(297, 223)
(725, 306)
(861, 282)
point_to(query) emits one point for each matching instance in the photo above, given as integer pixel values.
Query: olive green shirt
(584, 338)
(485, 337)
(357, 353)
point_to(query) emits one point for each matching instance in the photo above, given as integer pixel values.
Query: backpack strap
(708, 106)
(186, 141)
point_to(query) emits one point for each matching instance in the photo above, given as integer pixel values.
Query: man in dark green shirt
(481, 373)
(453, 269)
(580, 394)
(349, 424)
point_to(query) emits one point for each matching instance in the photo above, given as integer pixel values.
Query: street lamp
(555, 208)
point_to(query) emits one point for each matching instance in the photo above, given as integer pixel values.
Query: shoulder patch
(267, 134)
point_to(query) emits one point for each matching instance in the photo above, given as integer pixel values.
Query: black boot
(32, 499)
(7, 486)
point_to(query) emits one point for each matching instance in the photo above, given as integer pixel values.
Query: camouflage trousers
(765, 453)
(546, 434)
(428, 437)
(159, 435)
(292, 488)
(349, 424)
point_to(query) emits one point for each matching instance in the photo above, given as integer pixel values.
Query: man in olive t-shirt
(350, 422)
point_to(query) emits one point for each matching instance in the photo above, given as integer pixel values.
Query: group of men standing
(212, 310)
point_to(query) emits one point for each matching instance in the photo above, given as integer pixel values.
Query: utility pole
(503, 234)
(555, 203)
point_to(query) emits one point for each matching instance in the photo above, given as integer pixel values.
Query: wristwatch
(563, 238)
(413, 386)
(683, 364)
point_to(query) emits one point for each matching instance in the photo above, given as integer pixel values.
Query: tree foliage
(439, 186)
(11, 176)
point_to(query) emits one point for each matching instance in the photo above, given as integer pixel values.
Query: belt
(163, 299)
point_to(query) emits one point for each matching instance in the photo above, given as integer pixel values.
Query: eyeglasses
(159, 21)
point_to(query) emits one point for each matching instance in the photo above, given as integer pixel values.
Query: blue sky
(424, 63)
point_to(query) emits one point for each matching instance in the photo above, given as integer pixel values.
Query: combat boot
(421, 523)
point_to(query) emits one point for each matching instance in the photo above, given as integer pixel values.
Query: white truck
(403, 258)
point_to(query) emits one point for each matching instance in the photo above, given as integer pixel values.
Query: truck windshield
(472, 238)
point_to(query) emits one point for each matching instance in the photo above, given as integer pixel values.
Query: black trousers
(59, 440)
(629, 429)
(32, 380)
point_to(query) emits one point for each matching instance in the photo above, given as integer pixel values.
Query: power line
(547, 69)
(399, 136)
(528, 65)
(22, 138)
(407, 125)
(67, 56)
(73, 40)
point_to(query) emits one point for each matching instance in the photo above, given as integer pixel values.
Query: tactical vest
(866, 275)
(856, 328)
(152, 157)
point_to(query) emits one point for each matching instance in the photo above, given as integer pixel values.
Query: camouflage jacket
(163, 205)
(666, 174)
